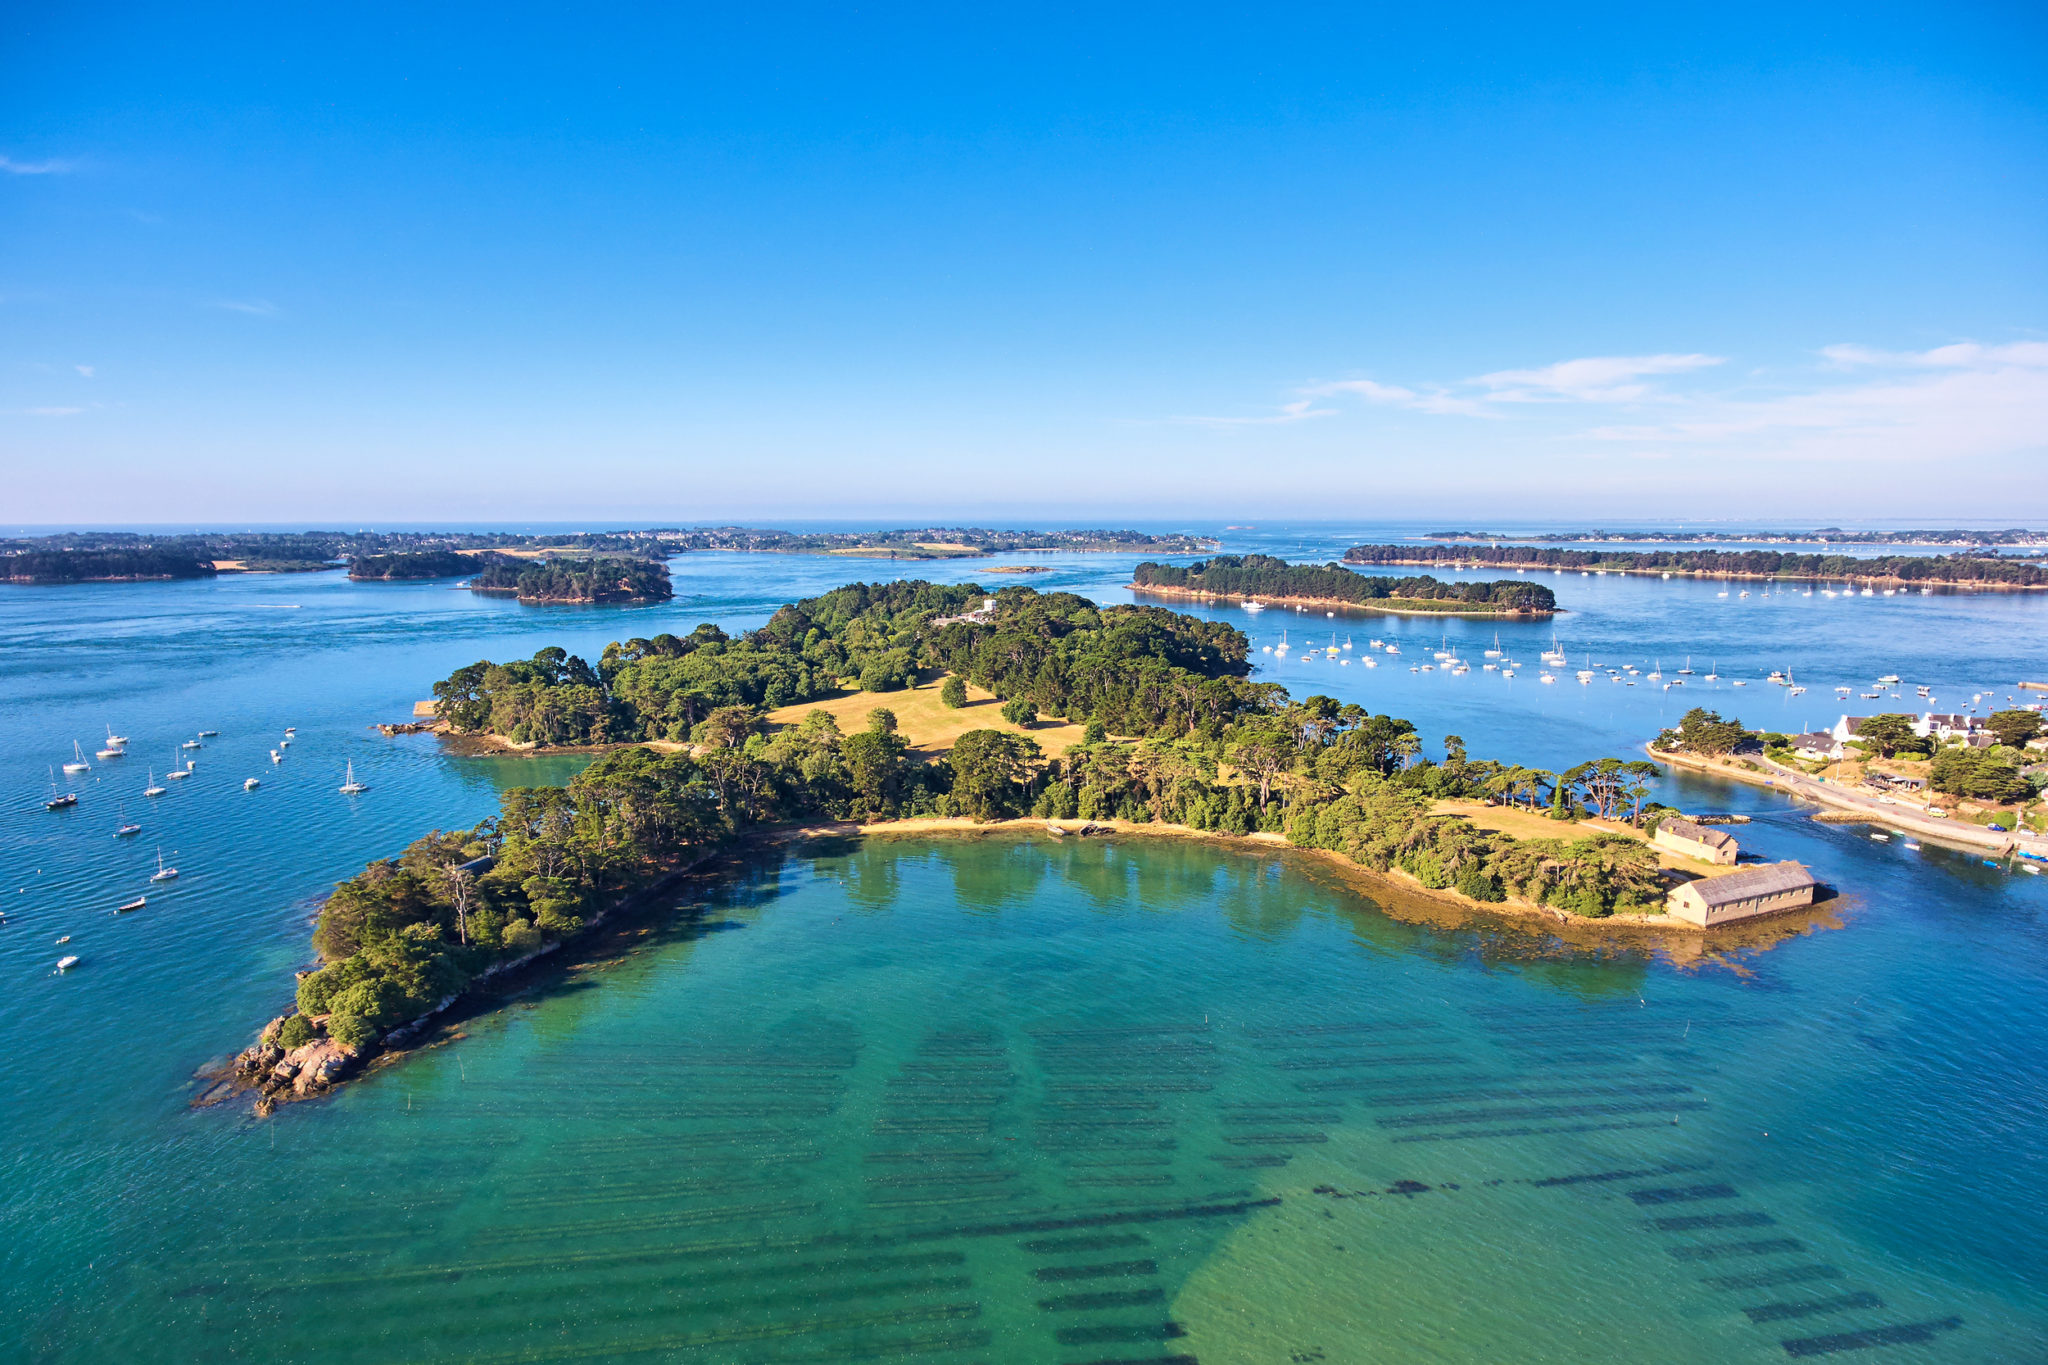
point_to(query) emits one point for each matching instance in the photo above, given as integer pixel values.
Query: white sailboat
(1686, 672)
(77, 763)
(115, 741)
(127, 826)
(1494, 653)
(163, 874)
(153, 789)
(351, 786)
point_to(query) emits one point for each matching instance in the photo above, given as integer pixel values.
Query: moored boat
(135, 904)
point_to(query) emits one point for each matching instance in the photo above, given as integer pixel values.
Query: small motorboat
(250, 784)
(193, 744)
(276, 757)
(135, 904)
(285, 743)
(64, 940)
(65, 964)
(208, 734)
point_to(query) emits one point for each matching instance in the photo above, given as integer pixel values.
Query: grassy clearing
(928, 723)
(1524, 824)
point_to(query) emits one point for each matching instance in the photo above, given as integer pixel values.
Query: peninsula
(1168, 734)
(1265, 579)
(101, 566)
(1954, 571)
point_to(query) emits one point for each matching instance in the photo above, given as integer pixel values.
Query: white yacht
(351, 786)
(77, 763)
(163, 874)
(153, 789)
(250, 784)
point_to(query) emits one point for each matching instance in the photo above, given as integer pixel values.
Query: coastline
(323, 1066)
(1386, 606)
(1874, 580)
(1958, 834)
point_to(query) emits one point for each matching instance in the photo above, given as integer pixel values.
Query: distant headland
(1264, 579)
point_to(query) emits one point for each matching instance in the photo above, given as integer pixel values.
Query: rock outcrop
(280, 1073)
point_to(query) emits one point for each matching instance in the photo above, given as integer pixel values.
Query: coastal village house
(1755, 891)
(1695, 841)
(1821, 744)
(1937, 725)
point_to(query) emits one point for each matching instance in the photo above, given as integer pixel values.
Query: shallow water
(999, 1099)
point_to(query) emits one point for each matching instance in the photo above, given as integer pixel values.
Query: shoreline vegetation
(1826, 535)
(1174, 738)
(127, 556)
(1947, 571)
(1267, 580)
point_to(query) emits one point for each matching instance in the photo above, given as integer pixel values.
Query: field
(1523, 824)
(928, 723)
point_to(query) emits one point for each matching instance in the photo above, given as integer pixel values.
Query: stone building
(1743, 895)
(1695, 841)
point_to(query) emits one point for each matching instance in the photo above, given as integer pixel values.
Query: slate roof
(1686, 829)
(1751, 883)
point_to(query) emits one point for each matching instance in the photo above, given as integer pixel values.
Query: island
(411, 565)
(1827, 535)
(139, 564)
(596, 579)
(800, 727)
(1265, 579)
(1898, 571)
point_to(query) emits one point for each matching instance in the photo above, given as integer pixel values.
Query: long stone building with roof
(1754, 891)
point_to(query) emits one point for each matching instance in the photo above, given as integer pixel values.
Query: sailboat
(115, 741)
(351, 786)
(153, 789)
(1686, 672)
(59, 800)
(176, 771)
(1494, 653)
(126, 827)
(1714, 672)
(1656, 674)
(1282, 647)
(77, 763)
(110, 752)
(163, 874)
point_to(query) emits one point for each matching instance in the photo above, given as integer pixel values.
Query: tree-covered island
(597, 579)
(1174, 735)
(1267, 579)
(412, 565)
(1959, 571)
(123, 565)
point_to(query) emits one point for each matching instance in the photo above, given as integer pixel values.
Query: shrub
(295, 1031)
(1019, 711)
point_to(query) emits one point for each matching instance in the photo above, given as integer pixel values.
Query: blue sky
(366, 264)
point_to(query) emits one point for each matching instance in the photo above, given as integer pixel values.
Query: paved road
(1974, 837)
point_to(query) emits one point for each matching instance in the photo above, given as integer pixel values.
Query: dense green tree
(991, 773)
(1020, 711)
(1977, 774)
(2014, 728)
(953, 692)
(1702, 731)
(1886, 735)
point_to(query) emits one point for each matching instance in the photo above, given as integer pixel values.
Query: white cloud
(1962, 401)
(50, 412)
(1300, 411)
(260, 308)
(85, 370)
(1593, 379)
(12, 167)
(1438, 401)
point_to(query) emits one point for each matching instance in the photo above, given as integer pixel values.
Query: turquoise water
(1004, 1099)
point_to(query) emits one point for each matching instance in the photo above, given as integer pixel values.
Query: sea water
(1006, 1098)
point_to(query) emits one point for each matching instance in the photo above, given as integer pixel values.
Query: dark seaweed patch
(1115, 1331)
(1680, 1194)
(1899, 1334)
(1105, 1270)
(1699, 1222)
(1601, 1177)
(1764, 1279)
(1051, 1246)
(1806, 1308)
(1120, 1298)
